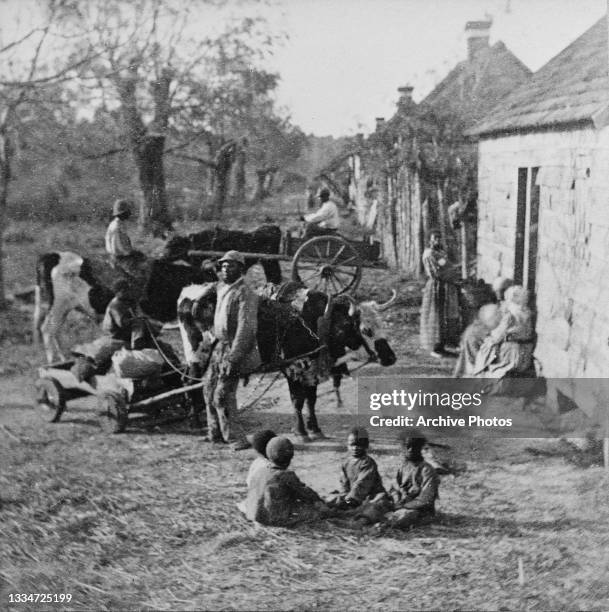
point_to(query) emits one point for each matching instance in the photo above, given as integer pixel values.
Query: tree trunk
(221, 181)
(269, 184)
(240, 175)
(5, 176)
(149, 159)
(261, 180)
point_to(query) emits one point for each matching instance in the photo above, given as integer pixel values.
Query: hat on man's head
(280, 451)
(121, 207)
(233, 256)
(324, 193)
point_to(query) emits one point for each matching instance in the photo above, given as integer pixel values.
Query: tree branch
(18, 42)
(106, 153)
(204, 162)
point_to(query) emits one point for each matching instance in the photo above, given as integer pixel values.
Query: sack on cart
(98, 352)
(137, 364)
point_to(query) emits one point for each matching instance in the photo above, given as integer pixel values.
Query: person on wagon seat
(323, 221)
(121, 313)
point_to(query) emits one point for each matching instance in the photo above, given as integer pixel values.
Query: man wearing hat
(118, 243)
(325, 220)
(236, 351)
(124, 258)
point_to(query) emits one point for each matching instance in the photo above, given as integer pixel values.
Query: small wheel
(51, 399)
(113, 413)
(329, 264)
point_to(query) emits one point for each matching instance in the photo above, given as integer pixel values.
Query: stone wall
(572, 284)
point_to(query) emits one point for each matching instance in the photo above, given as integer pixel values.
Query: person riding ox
(126, 260)
(235, 353)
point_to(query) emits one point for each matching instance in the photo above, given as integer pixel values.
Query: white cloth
(257, 463)
(327, 216)
(118, 242)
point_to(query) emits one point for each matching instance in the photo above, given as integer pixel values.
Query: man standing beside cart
(235, 353)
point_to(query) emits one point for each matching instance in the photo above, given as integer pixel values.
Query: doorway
(527, 229)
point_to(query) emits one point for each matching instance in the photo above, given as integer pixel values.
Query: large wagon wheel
(51, 398)
(113, 413)
(329, 264)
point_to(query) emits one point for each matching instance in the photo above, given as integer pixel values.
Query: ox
(375, 346)
(303, 342)
(66, 281)
(264, 239)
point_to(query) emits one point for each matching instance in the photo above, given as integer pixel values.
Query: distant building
(543, 202)
(389, 176)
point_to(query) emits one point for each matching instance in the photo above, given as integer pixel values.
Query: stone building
(543, 203)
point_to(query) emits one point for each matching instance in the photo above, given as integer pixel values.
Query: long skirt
(439, 315)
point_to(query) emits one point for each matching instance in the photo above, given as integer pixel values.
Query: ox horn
(392, 300)
(328, 307)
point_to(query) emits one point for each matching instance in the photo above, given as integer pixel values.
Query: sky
(345, 59)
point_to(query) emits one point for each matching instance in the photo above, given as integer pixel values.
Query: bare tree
(25, 75)
(169, 80)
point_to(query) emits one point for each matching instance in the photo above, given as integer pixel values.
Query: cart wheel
(113, 413)
(51, 398)
(329, 264)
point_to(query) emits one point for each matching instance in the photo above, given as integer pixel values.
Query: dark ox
(294, 341)
(265, 239)
(66, 281)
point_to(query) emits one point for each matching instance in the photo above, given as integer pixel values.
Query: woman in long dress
(440, 307)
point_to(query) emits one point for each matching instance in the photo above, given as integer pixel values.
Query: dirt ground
(148, 519)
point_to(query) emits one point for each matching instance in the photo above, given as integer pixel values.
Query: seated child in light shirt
(276, 496)
(259, 441)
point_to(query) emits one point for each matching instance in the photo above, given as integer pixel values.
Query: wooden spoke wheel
(329, 264)
(113, 413)
(51, 399)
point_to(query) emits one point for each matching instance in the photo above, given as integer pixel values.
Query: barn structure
(418, 162)
(543, 203)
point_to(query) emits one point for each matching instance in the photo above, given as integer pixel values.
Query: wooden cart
(118, 399)
(331, 263)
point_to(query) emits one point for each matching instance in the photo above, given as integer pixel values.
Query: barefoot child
(416, 487)
(359, 478)
(276, 496)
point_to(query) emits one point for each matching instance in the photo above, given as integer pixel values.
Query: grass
(147, 520)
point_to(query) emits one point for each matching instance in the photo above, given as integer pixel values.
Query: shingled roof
(571, 89)
(476, 85)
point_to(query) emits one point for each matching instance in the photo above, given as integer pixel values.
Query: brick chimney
(380, 123)
(477, 34)
(405, 93)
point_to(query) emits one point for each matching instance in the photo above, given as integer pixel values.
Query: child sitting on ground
(360, 480)
(416, 487)
(276, 496)
(259, 441)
